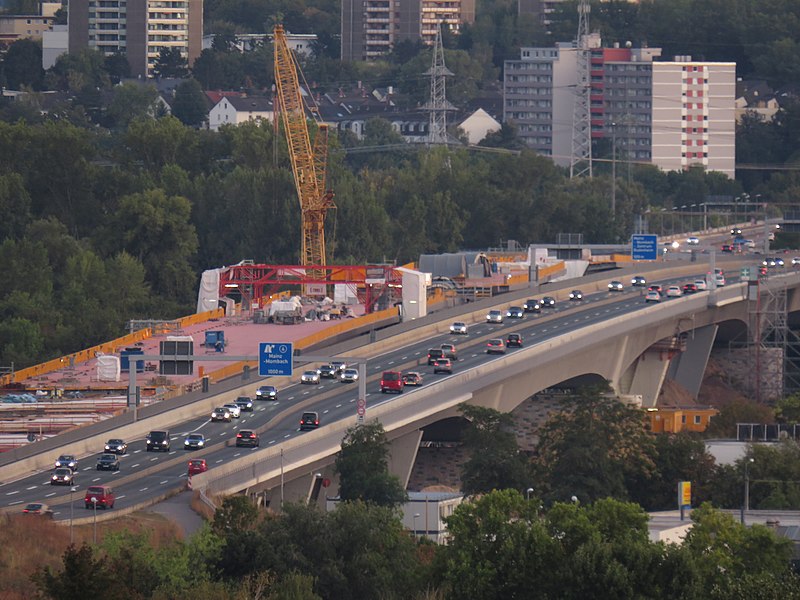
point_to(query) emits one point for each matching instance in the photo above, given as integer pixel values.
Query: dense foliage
(502, 545)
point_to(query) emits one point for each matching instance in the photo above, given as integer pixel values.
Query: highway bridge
(613, 336)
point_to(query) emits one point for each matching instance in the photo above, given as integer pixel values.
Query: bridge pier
(649, 371)
(402, 455)
(687, 368)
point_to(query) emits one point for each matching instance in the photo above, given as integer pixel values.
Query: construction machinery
(309, 162)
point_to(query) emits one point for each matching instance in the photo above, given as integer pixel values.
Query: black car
(267, 392)
(638, 281)
(194, 441)
(515, 312)
(244, 403)
(576, 295)
(532, 305)
(108, 462)
(247, 438)
(514, 340)
(329, 371)
(548, 302)
(309, 420)
(158, 441)
(434, 354)
(116, 446)
(67, 460)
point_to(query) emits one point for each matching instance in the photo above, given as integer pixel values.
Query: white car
(349, 376)
(701, 285)
(311, 377)
(236, 410)
(693, 241)
(459, 328)
(674, 291)
(720, 279)
(652, 296)
(615, 286)
(494, 316)
(796, 261)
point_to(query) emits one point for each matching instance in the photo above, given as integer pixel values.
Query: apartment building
(140, 29)
(673, 114)
(371, 28)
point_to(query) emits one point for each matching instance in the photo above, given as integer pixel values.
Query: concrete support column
(649, 372)
(687, 368)
(402, 454)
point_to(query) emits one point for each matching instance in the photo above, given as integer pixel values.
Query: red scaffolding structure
(373, 282)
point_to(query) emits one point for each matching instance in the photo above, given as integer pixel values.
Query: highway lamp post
(94, 503)
(746, 505)
(613, 171)
(528, 493)
(416, 516)
(72, 490)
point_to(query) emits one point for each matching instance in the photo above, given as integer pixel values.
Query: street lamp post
(528, 493)
(613, 171)
(72, 490)
(746, 506)
(94, 502)
(416, 516)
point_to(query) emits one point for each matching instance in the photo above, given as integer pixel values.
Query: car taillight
(238, 435)
(316, 422)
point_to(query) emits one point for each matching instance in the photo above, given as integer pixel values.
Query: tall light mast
(581, 156)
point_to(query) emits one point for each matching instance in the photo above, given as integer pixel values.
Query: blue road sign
(275, 359)
(644, 247)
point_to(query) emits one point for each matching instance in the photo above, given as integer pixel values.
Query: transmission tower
(438, 105)
(581, 157)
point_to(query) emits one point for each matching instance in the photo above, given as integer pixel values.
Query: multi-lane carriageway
(147, 477)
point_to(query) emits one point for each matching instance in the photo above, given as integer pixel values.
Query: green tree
(117, 66)
(787, 409)
(22, 65)
(131, 101)
(723, 425)
(594, 449)
(363, 467)
(190, 105)
(82, 574)
(495, 461)
(15, 204)
(170, 63)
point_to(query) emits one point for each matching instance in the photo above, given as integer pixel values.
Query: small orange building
(674, 419)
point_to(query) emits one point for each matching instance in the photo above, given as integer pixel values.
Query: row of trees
(502, 545)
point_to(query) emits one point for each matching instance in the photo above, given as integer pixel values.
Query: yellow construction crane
(308, 163)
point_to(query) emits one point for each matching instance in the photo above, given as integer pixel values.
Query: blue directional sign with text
(644, 247)
(275, 359)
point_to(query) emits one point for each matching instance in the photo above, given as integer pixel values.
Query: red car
(100, 495)
(690, 288)
(197, 465)
(392, 381)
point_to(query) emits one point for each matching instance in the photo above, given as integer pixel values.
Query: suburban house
(232, 110)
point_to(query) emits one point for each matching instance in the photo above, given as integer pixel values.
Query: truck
(287, 312)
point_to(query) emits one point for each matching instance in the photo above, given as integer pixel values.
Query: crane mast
(309, 163)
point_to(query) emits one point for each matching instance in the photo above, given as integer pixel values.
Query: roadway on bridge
(145, 475)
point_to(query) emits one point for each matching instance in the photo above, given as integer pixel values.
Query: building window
(697, 419)
(683, 418)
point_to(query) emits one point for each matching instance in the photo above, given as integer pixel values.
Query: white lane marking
(163, 482)
(352, 400)
(237, 454)
(153, 459)
(120, 497)
(144, 489)
(417, 353)
(223, 433)
(305, 393)
(262, 409)
(219, 461)
(50, 494)
(173, 452)
(287, 435)
(87, 468)
(174, 438)
(134, 466)
(290, 398)
(12, 493)
(33, 487)
(403, 357)
(338, 406)
(272, 441)
(244, 421)
(136, 451)
(391, 362)
(15, 502)
(95, 479)
(324, 412)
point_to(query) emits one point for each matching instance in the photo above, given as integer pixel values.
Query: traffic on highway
(140, 475)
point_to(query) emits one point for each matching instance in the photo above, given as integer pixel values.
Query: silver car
(494, 316)
(221, 414)
(311, 377)
(615, 286)
(236, 412)
(349, 376)
(459, 328)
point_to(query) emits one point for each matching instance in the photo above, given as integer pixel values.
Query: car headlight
(108, 447)
(186, 442)
(54, 477)
(164, 442)
(200, 443)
